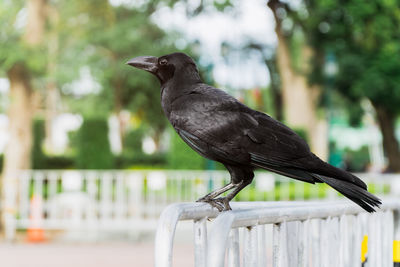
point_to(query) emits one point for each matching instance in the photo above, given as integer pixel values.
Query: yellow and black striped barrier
(364, 252)
(396, 253)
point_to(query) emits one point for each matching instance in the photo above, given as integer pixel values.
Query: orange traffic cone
(35, 232)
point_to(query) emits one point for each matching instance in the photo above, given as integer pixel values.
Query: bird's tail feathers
(360, 196)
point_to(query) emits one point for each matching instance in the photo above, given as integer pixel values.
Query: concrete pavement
(119, 254)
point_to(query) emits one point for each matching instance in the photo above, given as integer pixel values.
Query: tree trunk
(17, 155)
(386, 122)
(299, 99)
(36, 21)
(275, 85)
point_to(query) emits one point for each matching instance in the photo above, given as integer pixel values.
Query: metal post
(200, 242)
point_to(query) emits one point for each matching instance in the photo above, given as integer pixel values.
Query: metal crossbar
(301, 234)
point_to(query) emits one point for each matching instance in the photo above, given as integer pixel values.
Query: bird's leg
(224, 201)
(210, 197)
(216, 192)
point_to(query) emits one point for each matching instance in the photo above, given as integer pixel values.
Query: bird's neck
(180, 84)
(187, 75)
(171, 91)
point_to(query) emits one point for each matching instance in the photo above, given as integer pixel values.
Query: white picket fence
(283, 234)
(117, 200)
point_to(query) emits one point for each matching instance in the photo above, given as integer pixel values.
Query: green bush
(181, 156)
(59, 162)
(133, 141)
(1, 162)
(93, 148)
(132, 161)
(38, 157)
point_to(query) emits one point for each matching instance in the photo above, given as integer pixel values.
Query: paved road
(88, 255)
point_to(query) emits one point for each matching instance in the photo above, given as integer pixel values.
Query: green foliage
(133, 155)
(133, 140)
(105, 45)
(93, 148)
(365, 38)
(38, 157)
(13, 47)
(1, 162)
(357, 160)
(59, 162)
(181, 156)
(141, 161)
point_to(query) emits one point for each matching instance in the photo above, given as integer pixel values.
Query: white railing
(283, 234)
(130, 200)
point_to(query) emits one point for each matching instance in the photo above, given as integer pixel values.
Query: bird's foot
(221, 203)
(204, 199)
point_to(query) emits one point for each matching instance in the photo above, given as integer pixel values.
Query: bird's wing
(219, 127)
(213, 121)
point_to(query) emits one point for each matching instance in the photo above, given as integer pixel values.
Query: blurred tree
(104, 43)
(300, 98)
(136, 91)
(365, 38)
(21, 58)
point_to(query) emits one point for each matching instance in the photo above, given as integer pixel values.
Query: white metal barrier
(284, 234)
(94, 200)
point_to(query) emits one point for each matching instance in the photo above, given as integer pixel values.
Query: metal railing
(132, 200)
(283, 234)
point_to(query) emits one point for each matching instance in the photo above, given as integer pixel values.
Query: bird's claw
(204, 199)
(221, 203)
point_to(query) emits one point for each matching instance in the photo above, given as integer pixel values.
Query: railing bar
(24, 195)
(200, 242)
(276, 247)
(217, 242)
(250, 246)
(106, 197)
(233, 248)
(52, 193)
(120, 200)
(315, 242)
(388, 237)
(325, 249)
(372, 240)
(293, 230)
(262, 250)
(344, 241)
(305, 255)
(280, 249)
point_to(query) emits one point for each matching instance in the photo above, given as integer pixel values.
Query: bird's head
(175, 65)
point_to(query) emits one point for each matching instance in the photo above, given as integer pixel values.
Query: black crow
(220, 128)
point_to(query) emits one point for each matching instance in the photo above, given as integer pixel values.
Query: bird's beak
(147, 63)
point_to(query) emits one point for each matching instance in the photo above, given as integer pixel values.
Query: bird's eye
(163, 61)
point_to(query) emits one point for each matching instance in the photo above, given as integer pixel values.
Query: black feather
(357, 194)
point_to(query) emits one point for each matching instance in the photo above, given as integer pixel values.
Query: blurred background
(88, 159)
